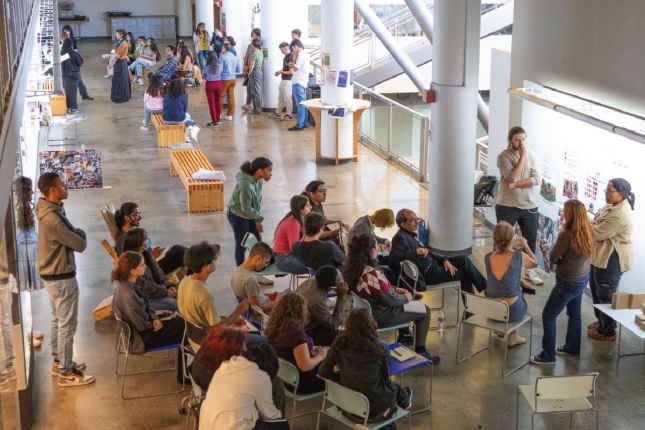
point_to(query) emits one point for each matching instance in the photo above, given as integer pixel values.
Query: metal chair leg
(517, 411)
(570, 420)
(474, 353)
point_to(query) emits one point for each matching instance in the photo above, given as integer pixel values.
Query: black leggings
(603, 284)
(173, 260)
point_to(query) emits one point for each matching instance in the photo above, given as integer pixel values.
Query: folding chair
(557, 394)
(355, 403)
(124, 334)
(412, 271)
(192, 403)
(491, 315)
(108, 216)
(110, 251)
(289, 374)
(271, 270)
(359, 303)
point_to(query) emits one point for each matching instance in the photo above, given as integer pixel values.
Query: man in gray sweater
(58, 239)
(520, 172)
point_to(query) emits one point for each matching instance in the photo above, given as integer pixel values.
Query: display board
(577, 160)
(81, 169)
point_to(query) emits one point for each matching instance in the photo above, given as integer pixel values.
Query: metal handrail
(390, 101)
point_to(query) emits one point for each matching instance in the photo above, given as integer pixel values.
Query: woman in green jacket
(244, 208)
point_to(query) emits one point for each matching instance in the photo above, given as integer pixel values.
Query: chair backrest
(110, 251)
(359, 303)
(565, 387)
(288, 373)
(344, 240)
(249, 241)
(195, 332)
(346, 399)
(493, 309)
(121, 329)
(108, 216)
(410, 269)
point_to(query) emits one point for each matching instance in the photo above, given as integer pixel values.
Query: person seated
(382, 218)
(322, 325)
(175, 105)
(434, 269)
(153, 99)
(360, 361)
(147, 57)
(504, 271)
(240, 395)
(313, 252)
(185, 61)
(161, 292)
(129, 216)
(287, 336)
(244, 283)
(316, 191)
(168, 68)
(197, 305)
(267, 360)
(289, 232)
(369, 283)
(132, 305)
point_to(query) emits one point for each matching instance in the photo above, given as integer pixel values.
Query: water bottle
(479, 427)
(441, 318)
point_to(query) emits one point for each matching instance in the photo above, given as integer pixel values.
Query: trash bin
(313, 92)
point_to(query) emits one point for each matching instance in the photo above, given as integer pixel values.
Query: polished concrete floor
(464, 396)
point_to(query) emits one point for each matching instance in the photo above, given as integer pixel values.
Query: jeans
(6, 337)
(228, 89)
(139, 64)
(255, 85)
(396, 315)
(146, 114)
(202, 58)
(467, 274)
(603, 284)
(290, 264)
(300, 94)
(564, 294)
(285, 97)
(164, 304)
(214, 97)
(517, 310)
(526, 218)
(63, 297)
(240, 227)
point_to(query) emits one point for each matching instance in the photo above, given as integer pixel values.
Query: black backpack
(486, 187)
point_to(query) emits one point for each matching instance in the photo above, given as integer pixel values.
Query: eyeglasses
(323, 191)
(267, 261)
(609, 191)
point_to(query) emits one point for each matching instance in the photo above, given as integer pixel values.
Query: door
(217, 19)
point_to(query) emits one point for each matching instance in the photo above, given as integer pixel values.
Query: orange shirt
(122, 50)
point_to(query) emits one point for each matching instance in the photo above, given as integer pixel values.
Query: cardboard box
(104, 309)
(637, 300)
(643, 326)
(620, 301)
(640, 319)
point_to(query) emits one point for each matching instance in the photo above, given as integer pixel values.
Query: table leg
(620, 331)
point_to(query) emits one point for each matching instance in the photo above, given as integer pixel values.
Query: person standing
(245, 206)
(520, 172)
(255, 35)
(229, 64)
(213, 77)
(81, 86)
(284, 89)
(71, 70)
(219, 37)
(58, 240)
(299, 82)
(121, 90)
(613, 253)
(572, 254)
(202, 43)
(256, 76)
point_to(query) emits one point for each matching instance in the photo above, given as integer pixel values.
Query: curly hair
(128, 261)
(26, 220)
(383, 218)
(360, 333)
(265, 357)
(290, 310)
(359, 256)
(220, 345)
(175, 89)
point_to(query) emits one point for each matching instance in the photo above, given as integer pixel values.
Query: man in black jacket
(433, 268)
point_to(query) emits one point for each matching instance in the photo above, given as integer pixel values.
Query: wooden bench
(203, 196)
(167, 133)
(144, 74)
(58, 103)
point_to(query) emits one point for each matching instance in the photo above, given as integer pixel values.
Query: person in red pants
(212, 74)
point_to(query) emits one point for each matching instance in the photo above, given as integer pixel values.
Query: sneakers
(406, 403)
(533, 277)
(246, 107)
(287, 118)
(212, 124)
(274, 116)
(595, 335)
(77, 367)
(514, 339)
(434, 359)
(141, 81)
(526, 289)
(593, 325)
(218, 122)
(295, 128)
(36, 339)
(228, 118)
(264, 280)
(560, 351)
(38, 334)
(71, 111)
(11, 373)
(405, 339)
(144, 128)
(74, 378)
(538, 359)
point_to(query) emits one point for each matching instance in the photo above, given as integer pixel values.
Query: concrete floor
(136, 170)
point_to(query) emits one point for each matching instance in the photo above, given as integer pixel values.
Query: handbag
(245, 82)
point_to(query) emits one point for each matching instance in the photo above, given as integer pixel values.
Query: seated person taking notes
(244, 283)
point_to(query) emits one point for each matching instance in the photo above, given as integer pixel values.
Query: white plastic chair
(557, 394)
(289, 374)
(359, 303)
(491, 315)
(355, 403)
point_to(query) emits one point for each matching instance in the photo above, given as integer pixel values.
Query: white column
(184, 10)
(336, 34)
(278, 18)
(455, 71)
(232, 23)
(204, 13)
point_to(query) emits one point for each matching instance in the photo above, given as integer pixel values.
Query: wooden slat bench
(58, 103)
(167, 133)
(203, 196)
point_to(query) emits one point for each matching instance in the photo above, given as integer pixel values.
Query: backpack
(486, 187)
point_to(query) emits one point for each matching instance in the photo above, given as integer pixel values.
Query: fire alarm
(430, 96)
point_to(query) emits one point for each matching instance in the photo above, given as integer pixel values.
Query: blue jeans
(300, 94)
(146, 114)
(240, 227)
(164, 304)
(289, 263)
(517, 310)
(201, 57)
(569, 295)
(139, 64)
(63, 297)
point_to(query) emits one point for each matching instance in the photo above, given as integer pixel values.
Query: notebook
(415, 307)
(401, 353)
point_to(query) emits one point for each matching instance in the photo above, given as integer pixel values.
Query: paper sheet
(203, 174)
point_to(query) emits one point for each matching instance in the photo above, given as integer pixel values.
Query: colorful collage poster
(81, 169)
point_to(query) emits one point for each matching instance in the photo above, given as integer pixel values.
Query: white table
(626, 318)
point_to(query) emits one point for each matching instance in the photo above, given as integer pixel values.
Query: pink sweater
(153, 103)
(288, 233)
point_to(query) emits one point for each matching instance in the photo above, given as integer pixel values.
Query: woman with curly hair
(219, 345)
(286, 334)
(359, 361)
(175, 105)
(290, 230)
(361, 273)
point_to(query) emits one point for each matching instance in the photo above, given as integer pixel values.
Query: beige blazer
(612, 229)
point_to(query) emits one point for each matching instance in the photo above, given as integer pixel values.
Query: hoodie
(239, 394)
(246, 200)
(57, 241)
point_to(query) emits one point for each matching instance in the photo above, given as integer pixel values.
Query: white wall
(99, 25)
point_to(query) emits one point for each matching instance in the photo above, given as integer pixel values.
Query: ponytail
(250, 167)
(625, 189)
(125, 210)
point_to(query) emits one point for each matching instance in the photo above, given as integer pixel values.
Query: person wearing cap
(197, 305)
(323, 325)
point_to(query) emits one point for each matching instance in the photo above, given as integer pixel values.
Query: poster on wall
(81, 169)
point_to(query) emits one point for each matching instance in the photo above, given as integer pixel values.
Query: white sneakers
(74, 378)
(533, 277)
(228, 118)
(264, 280)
